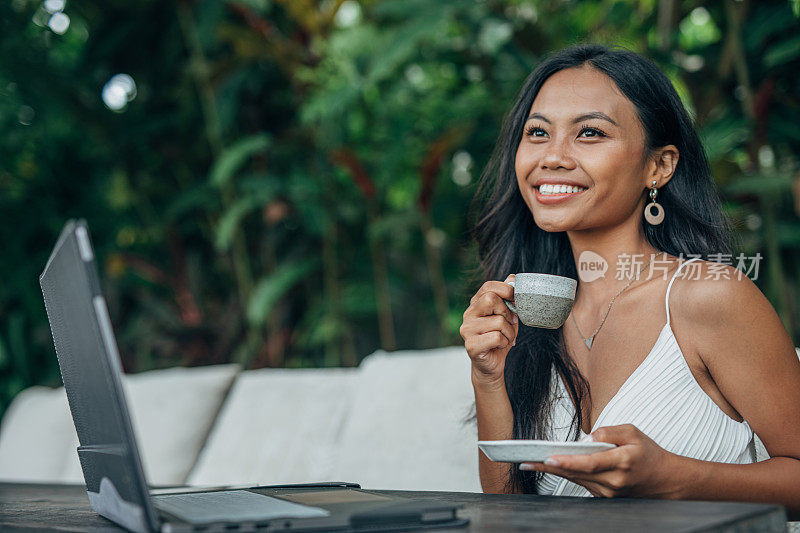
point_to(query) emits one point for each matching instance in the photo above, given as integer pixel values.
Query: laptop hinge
(109, 503)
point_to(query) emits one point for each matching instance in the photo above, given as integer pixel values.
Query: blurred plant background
(286, 182)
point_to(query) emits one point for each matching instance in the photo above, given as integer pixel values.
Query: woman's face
(603, 154)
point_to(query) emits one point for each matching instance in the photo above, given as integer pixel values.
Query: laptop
(112, 468)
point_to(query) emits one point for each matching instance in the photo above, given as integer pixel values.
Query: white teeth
(548, 188)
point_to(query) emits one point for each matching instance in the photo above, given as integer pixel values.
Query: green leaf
(397, 46)
(765, 23)
(697, 31)
(270, 289)
(231, 219)
(760, 184)
(234, 157)
(723, 135)
(358, 299)
(683, 92)
(783, 52)
(324, 330)
(229, 223)
(200, 196)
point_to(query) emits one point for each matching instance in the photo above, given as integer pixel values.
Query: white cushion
(36, 436)
(173, 411)
(277, 426)
(404, 430)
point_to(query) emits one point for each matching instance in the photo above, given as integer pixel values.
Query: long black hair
(509, 241)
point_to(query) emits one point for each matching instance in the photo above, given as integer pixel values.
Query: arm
(752, 360)
(489, 330)
(495, 422)
(772, 481)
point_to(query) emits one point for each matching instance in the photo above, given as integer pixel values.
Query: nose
(557, 155)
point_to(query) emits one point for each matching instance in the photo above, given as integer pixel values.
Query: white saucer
(532, 451)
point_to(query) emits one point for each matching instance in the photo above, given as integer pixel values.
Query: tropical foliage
(286, 182)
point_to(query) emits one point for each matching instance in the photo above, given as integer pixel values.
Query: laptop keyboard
(231, 506)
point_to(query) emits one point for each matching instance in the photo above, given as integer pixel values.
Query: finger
(572, 475)
(487, 341)
(596, 489)
(590, 463)
(619, 435)
(561, 472)
(492, 303)
(516, 327)
(596, 483)
(501, 288)
(499, 323)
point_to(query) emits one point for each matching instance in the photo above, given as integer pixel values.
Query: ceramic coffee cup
(542, 300)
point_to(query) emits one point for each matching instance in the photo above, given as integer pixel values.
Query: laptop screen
(91, 372)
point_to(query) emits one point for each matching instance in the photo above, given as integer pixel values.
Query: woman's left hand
(637, 467)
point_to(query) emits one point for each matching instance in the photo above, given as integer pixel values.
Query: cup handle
(509, 304)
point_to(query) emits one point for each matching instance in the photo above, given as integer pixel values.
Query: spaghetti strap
(666, 299)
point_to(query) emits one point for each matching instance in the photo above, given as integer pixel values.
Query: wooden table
(41, 507)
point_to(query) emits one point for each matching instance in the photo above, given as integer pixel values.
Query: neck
(623, 249)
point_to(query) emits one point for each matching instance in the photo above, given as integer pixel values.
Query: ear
(661, 166)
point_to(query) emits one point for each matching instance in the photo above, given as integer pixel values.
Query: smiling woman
(675, 362)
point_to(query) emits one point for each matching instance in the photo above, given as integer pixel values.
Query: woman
(676, 366)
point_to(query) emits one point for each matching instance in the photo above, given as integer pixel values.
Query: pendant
(588, 342)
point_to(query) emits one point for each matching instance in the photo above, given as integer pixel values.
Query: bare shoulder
(717, 295)
(727, 316)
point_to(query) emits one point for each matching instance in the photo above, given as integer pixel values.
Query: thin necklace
(588, 342)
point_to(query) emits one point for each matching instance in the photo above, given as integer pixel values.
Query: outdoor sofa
(394, 422)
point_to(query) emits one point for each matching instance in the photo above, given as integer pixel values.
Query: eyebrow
(594, 114)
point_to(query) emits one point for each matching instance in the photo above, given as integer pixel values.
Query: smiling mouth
(547, 189)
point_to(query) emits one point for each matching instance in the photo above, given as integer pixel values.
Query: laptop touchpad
(323, 497)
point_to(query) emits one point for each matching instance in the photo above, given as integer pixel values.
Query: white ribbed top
(663, 400)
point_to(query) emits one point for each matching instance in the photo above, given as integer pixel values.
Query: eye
(599, 133)
(533, 128)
